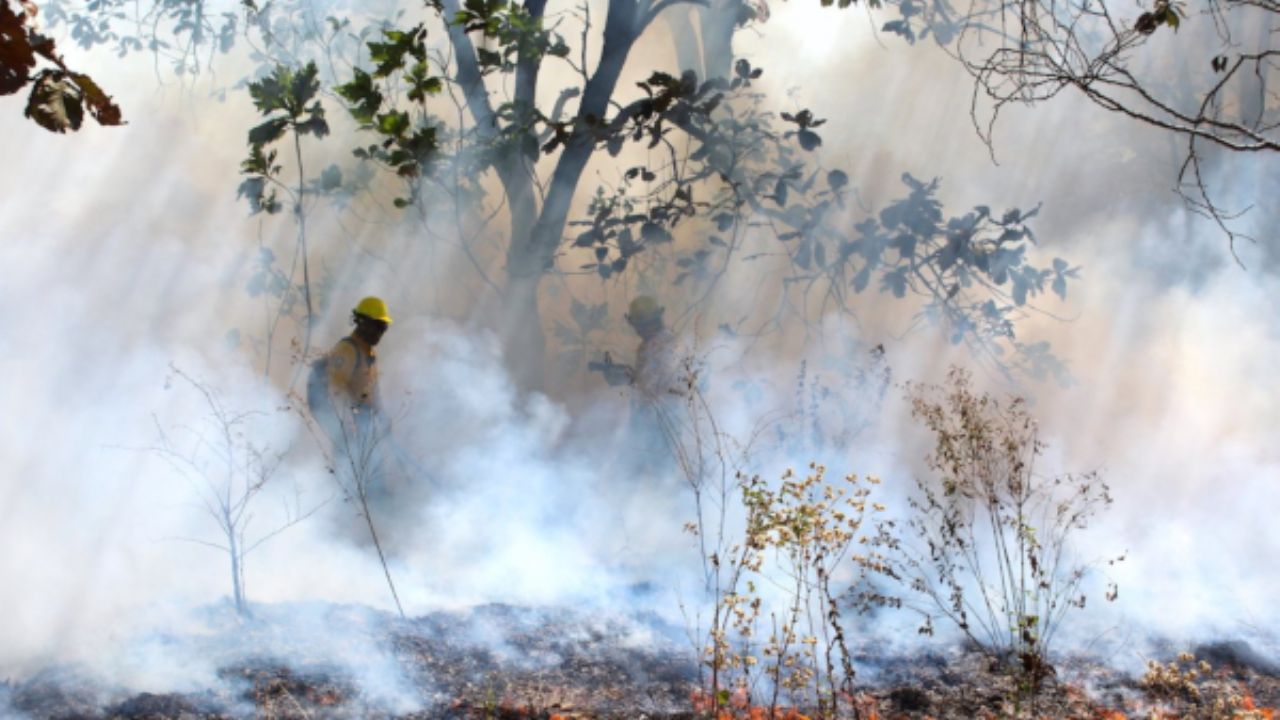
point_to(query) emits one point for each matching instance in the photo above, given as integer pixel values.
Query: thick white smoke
(127, 252)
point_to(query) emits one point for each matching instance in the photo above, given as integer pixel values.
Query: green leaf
(421, 85)
(394, 123)
(316, 124)
(258, 162)
(488, 58)
(269, 131)
(305, 85)
(363, 95)
(390, 56)
(837, 179)
(270, 93)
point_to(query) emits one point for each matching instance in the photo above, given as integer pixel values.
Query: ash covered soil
(505, 662)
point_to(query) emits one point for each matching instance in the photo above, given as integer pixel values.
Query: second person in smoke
(655, 375)
(653, 432)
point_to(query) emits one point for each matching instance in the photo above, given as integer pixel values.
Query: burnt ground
(504, 662)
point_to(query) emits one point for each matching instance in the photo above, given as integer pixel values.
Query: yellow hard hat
(374, 308)
(644, 309)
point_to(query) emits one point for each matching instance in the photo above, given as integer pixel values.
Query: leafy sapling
(287, 99)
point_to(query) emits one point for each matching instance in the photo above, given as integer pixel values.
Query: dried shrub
(1176, 680)
(808, 538)
(1186, 688)
(987, 545)
(804, 539)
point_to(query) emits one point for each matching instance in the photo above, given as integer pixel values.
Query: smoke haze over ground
(127, 254)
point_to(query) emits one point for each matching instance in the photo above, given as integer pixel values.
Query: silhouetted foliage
(287, 100)
(1202, 73)
(408, 140)
(726, 166)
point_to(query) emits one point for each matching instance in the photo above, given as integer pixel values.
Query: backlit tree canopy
(447, 103)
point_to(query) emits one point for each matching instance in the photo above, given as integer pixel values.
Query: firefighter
(655, 380)
(655, 375)
(353, 362)
(342, 390)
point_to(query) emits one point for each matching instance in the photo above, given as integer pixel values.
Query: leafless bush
(227, 471)
(1210, 88)
(357, 446)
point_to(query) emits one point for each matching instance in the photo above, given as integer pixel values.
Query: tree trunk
(523, 341)
(532, 252)
(520, 326)
(688, 51)
(717, 22)
(708, 53)
(237, 574)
